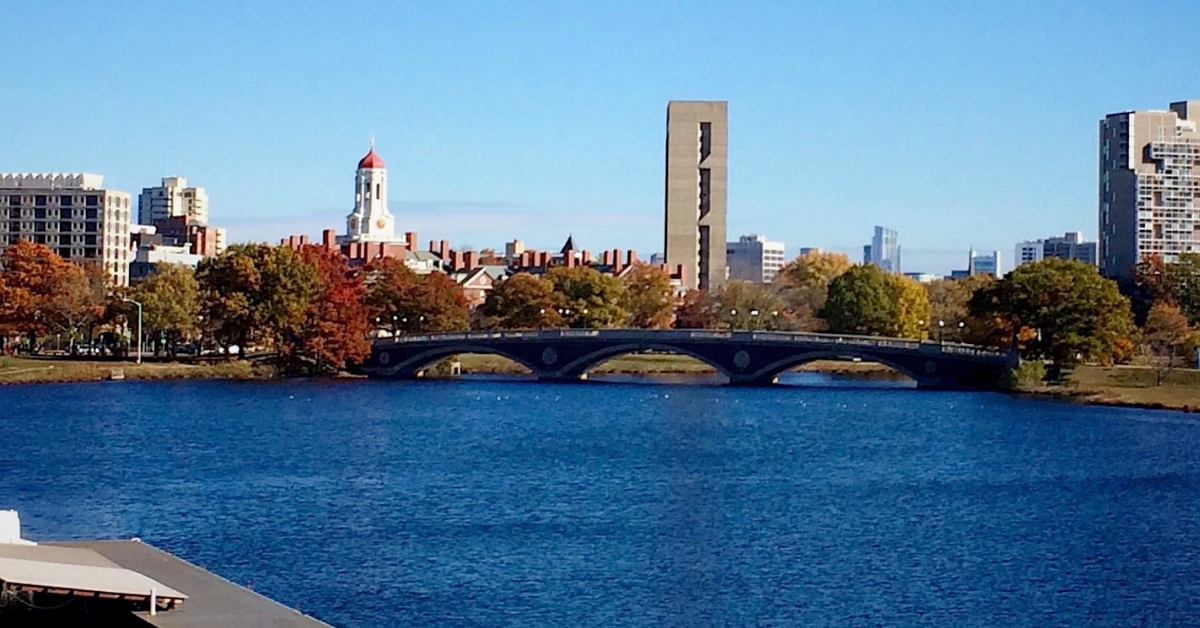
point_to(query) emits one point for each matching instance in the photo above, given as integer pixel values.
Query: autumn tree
(33, 276)
(170, 299)
(805, 284)
(402, 301)
(861, 301)
(949, 302)
(1064, 308)
(695, 311)
(522, 301)
(649, 297)
(336, 326)
(742, 305)
(255, 294)
(590, 299)
(1158, 281)
(912, 310)
(1164, 337)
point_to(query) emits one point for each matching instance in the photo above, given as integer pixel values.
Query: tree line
(316, 312)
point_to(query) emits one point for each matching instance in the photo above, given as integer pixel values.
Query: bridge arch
(775, 369)
(414, 364)
(585, 363)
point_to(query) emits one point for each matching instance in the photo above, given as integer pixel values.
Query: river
(497, 503)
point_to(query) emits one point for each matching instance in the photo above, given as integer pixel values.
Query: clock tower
(370, 221)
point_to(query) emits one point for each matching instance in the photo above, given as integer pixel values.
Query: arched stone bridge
(745, 357)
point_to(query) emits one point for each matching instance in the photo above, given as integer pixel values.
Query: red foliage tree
(335, 325)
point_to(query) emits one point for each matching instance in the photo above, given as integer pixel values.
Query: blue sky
(957, 123)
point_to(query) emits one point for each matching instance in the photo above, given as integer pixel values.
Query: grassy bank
(15, 370)
(1132, 386)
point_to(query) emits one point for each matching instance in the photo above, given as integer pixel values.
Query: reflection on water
(484, 502)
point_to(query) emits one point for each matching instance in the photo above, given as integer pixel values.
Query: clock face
(379, 224)
(353, 224)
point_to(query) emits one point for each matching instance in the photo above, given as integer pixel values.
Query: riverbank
(22, 370)
(1128, 386)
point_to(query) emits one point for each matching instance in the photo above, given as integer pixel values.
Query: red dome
(371, 160)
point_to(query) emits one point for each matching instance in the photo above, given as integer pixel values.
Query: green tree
(255, 294)
(170, 299)
(742, 305)
(402, 301)
(649, 297)
(912, 309)
(861, 301)
(522, 301)
(1060, 310)
(590, 299)
(805, 284)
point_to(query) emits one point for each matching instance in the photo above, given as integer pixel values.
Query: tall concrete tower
(697, 158)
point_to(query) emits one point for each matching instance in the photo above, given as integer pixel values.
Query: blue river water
(498, 503)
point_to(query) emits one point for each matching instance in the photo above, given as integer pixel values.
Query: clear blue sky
(957, 123)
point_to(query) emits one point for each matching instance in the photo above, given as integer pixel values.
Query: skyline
(538, 121)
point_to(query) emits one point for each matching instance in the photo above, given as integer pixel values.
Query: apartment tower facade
(70, 213)
(173, 199)
(696, 191)
(754, 258)
(1149, 196)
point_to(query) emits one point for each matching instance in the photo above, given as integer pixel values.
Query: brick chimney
(471, 260)
(328, 239)
(631, 257)
(410, 240)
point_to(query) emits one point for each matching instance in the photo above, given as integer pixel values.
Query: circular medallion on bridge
(931, 367)
(741, 359)
(549, 356)
(385, 357)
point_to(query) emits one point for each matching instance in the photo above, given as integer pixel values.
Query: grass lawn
(23, 370)
(1132, 386)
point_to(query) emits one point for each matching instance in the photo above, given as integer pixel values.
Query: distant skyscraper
(1070, 245)
(884, 250)
(696, 185)
(979, 264)
(173, 199)
(1149, 200)
(754, 258)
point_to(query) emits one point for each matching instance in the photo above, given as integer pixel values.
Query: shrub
(1025, 376)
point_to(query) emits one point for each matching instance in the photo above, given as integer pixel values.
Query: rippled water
(492, 503)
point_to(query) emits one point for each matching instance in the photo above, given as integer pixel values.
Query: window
(705, 182)
(40, 201)
(91, 213)
(93, 200)
(39, 214)
(91, 227)
(64, 226)
(64, 201)
(705, 140)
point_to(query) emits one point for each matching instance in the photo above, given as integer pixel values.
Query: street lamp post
(139, 343)
(941, 331)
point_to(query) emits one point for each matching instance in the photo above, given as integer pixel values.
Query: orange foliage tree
(402, 301)
(43, 292)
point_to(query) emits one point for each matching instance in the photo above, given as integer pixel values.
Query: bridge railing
(667, 335)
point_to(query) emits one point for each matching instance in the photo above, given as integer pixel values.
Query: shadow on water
(799, 379)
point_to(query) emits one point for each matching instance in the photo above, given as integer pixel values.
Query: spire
(569, 246)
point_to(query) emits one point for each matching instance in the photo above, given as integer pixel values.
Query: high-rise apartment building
(70, 213)
(696, 187)
(173, 199)
(754, 258)
(1029, 251)
(884, 250)
(1149, 197)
